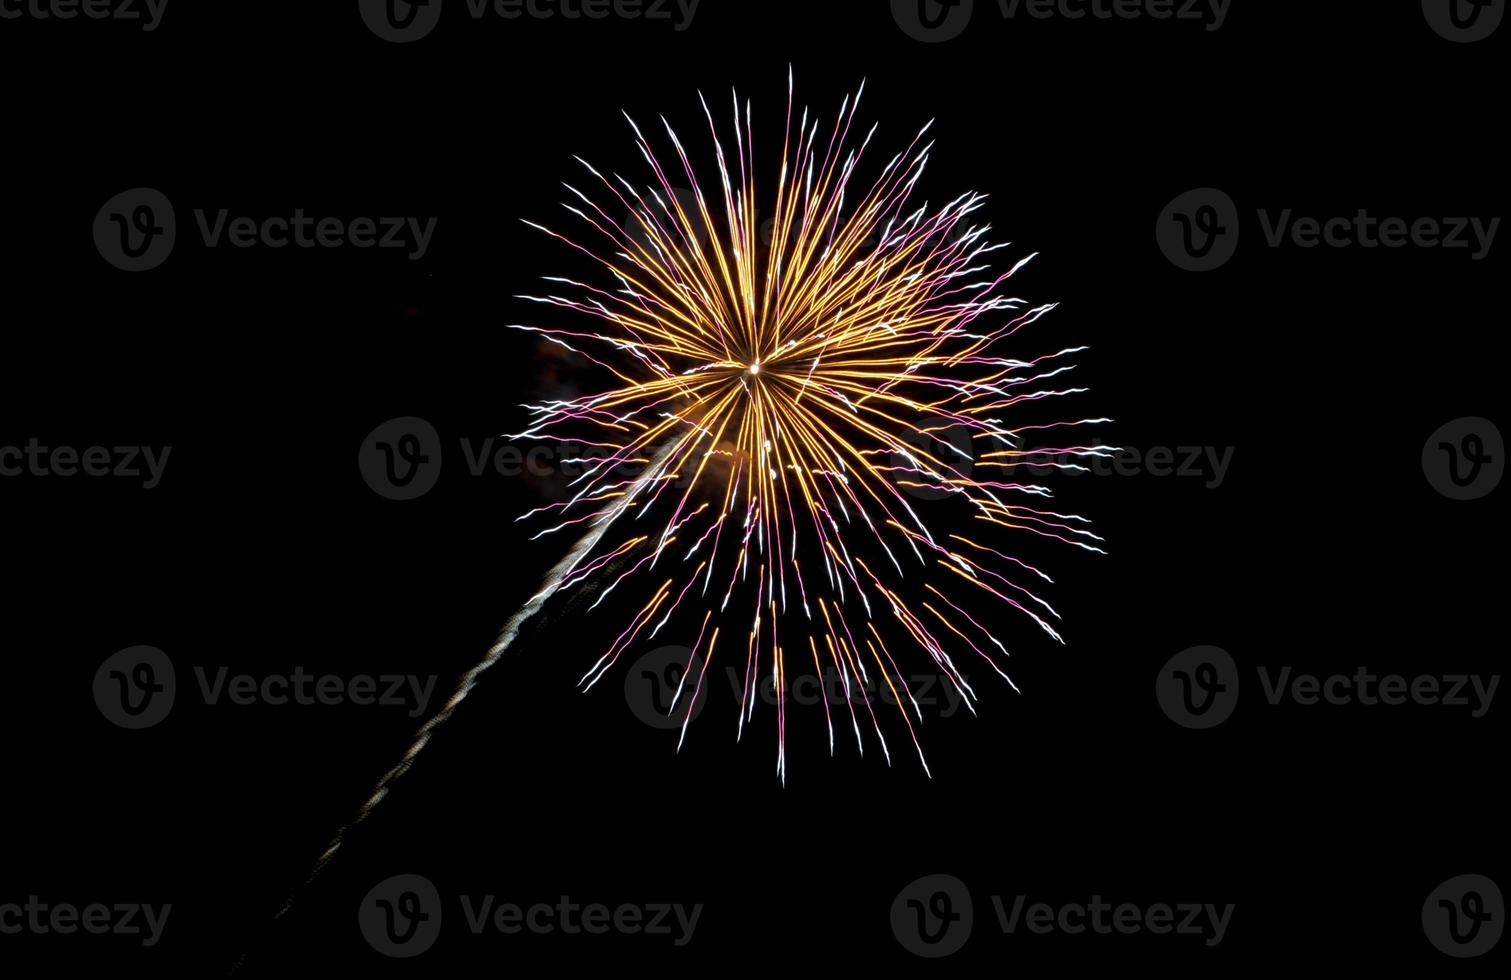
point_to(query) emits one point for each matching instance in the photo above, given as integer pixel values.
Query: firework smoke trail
(464, 687)
(554, 580)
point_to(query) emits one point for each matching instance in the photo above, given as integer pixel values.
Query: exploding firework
(779, 392)
(782, 389)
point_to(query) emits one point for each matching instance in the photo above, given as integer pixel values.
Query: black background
(1324, 549)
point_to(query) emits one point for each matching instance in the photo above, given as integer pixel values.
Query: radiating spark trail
(779, 394)
(797, 375)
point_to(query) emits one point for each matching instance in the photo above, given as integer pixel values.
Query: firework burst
(779, 392)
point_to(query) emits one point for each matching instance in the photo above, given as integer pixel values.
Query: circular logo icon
(401, 459)
(1464, 916)
(135, 230)
(945, 452)
(1198, 688)
(400, 21)
(931, 917)
(401, 916)
(659, 687)
(1463, 21)
(135, 687)
(665, 226)
(1463, 459)
(1198, 231)
(932, 21)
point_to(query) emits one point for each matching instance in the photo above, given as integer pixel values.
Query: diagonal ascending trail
(555, 579)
